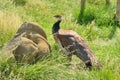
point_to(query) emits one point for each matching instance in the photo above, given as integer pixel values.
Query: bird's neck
(56, 27)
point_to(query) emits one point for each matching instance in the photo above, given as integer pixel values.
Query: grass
(97, 29)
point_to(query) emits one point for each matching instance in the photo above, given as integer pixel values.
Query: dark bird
(72, 43)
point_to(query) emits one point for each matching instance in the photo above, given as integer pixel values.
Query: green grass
(97, 29)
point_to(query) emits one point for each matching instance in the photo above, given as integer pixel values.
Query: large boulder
(29, 44)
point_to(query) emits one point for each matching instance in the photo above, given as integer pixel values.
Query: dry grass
(9, 22)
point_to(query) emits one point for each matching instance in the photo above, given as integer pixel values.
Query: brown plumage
(72, 43)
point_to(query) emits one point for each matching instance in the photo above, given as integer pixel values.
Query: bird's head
(59, 17)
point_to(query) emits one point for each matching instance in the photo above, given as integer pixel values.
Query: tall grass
(9, 24)
(96, 29)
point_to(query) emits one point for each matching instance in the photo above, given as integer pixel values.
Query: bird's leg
(69, 58)
(88, 64)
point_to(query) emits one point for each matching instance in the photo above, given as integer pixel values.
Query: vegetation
(96, 26)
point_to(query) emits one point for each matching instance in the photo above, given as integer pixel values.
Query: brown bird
(72, 43)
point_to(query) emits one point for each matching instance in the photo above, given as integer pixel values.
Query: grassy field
(97, 28)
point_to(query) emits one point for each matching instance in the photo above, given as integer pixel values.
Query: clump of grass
(9, 24)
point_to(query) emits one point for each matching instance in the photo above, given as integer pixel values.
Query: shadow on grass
(19, 2)
(85, 19)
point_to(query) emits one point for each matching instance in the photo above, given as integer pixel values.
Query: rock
(29, 44)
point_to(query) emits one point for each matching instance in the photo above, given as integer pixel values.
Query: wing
(73, 43)
(69, 38)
